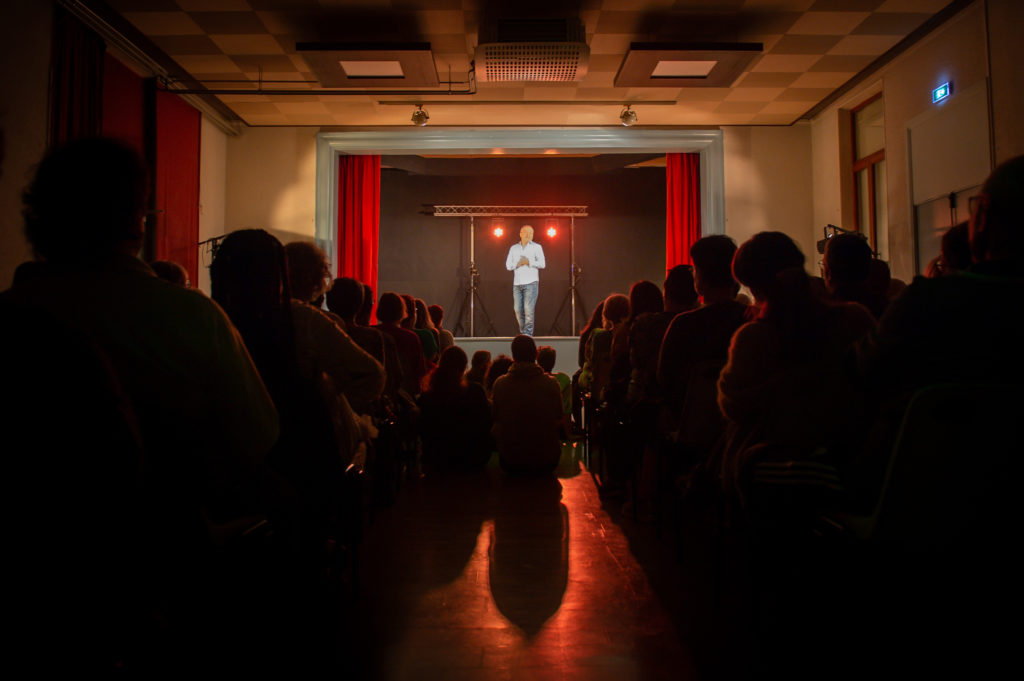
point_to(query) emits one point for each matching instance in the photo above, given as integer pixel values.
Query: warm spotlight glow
(552, 231)
(498, 231)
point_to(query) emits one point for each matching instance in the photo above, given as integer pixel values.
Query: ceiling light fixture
(419, 116)
(628, 116)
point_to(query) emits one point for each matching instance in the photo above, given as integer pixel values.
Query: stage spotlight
(498, 231)
(628, 116)
(419, 116)
(552, 232)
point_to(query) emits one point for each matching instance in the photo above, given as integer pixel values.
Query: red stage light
(498, 231)
(552, 231)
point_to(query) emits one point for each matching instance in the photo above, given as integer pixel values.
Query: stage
(566, 348)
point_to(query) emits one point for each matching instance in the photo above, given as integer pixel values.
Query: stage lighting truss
(509, 211)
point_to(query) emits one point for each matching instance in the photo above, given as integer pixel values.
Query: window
(870, 208)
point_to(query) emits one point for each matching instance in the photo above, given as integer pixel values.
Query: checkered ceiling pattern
(811, 47)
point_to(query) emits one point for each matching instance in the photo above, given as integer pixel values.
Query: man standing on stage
(525, 258)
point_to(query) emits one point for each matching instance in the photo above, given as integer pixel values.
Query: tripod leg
(558, 315)
(462, 310)
(487, 317)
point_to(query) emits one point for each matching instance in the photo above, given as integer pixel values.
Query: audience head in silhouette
(524, 349)
(479, 365)
(345, 298)
(846, 265)
(615, 311)
(391, 308)
(423, 320)
(436, 315)
(499, 367)
(308, 271)
(712, 268)
(88, 198)
(997, 222)
(645, 298)
(409, 321)
(450, 371)
(249, 279)
(680, 289)
(172, 272)
(956, 249)
(546, 356)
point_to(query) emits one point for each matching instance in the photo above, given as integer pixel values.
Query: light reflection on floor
(497, 578)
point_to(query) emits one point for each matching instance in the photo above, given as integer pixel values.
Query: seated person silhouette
(527, 407)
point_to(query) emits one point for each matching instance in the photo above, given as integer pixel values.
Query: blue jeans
(524, 300)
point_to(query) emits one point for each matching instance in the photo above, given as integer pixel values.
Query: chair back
(952, 476)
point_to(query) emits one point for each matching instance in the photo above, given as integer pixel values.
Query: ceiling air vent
(535, 50)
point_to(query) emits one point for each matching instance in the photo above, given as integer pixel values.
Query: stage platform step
(566, 348)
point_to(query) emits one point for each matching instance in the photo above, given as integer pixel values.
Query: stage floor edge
(566, 348)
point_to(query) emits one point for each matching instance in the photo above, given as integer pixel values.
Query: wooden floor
(489, 577)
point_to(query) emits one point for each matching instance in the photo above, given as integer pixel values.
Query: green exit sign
(940, 93)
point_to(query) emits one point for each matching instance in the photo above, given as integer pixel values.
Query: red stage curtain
(122, 104)
(177, 182)
(682, 228)
(358, 217)
(76, 79)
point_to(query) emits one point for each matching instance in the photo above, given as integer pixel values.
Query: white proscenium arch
(513, 141)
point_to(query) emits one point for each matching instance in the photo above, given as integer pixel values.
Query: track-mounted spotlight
(420, 117)
(628, 116)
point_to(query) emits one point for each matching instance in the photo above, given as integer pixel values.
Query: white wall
(25, 27)
(954, 52)
(271, 182)
(213, 158)
(768, 185)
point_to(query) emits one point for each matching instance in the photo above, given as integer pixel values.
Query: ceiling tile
(845, 5)
(804, 44)
(767, 79)
(739, 107)
(619, 22)
(441, 22)
(610, 44)
(930, 6)
(794, 107)
(246, 108)
(827, 23)
(200, 64)
(865, 44)
(753, 94)
(247, 44)
(229, 22)
(822, 80)
(803, 94)
(697, 94)
(890, 23)
(214, 5)
(185, 44)
(268, 62)
(164, 23)
(842, 62)
(785, 63)
(779, 5)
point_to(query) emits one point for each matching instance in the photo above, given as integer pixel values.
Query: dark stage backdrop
(622, 241)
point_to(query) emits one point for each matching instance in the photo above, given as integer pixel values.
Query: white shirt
(527, 274)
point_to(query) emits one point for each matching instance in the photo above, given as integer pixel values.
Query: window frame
(868, 164)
